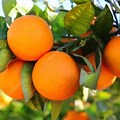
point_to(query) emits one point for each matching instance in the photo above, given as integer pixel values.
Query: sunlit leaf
(103, 23)
(103, 95)
(26, 80)
(7, 6)
(56, 107)
(58, 26)
(78, 20)
(5, 56)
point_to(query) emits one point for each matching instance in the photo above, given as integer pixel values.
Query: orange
(106, 78)
(10, 82)
(29, 37)
(56, 76)
(111, 55)
(73, 115)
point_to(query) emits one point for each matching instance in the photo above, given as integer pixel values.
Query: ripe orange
(56, 76)
(73, 115)
(29, 37)
(106, 78)
(111, 55)
(10, 82)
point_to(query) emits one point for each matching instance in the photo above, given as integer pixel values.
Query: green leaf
(87, 62)
(3, 28)
(3, 44)
(36, 11)
(90, 79)
(103, 95)
(80, 1)
(58, 26)
(7, 6)
(5, 56)
(78, 20)
(97, 9)
(36, 102)
(103, 23)
(26, 80)
(56, 107)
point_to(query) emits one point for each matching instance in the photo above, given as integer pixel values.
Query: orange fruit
(56, 76)
(106, 78)
(73, 115)
(111, 55)
(10, 82)
(29, 37)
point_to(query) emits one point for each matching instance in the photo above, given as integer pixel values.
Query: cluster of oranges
(55, 74)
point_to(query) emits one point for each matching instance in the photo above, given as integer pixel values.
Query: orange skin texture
(29, 37)
(56, 76)
(106, 78)
(10, 82)
(111, 55)
(73, 115)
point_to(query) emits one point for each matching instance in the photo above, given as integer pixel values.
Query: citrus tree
(61, 63)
